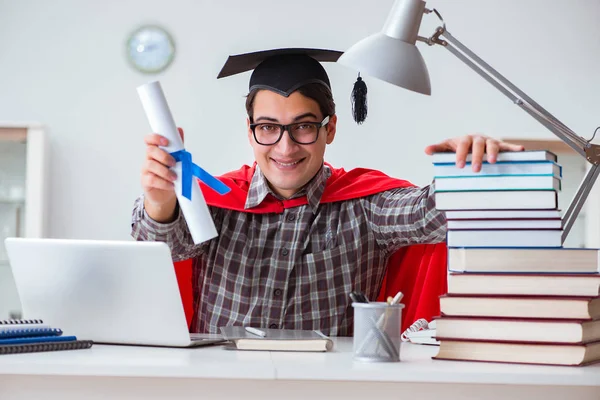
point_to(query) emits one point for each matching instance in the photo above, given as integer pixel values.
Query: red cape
(418, 271)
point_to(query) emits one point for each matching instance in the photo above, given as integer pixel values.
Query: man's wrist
(162, 213)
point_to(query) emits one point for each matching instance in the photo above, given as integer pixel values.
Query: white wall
(62, 63)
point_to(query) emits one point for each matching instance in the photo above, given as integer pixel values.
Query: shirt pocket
(321, 241)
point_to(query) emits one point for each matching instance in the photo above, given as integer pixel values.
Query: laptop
(115, 292)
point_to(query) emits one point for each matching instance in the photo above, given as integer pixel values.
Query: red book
(518, 330)
(523, 260)
(532, 353)
(579, 308)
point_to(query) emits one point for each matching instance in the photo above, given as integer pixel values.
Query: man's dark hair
(318, 92)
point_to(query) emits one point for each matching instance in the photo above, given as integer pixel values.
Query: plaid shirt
(294, 270)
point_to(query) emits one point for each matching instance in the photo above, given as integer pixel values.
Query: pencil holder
(377, 335)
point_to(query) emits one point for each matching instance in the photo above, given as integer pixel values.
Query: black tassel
(359, 100)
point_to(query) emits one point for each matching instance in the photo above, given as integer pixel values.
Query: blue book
(530, 168)
(505, 182)
(36, 339)
(505, 238)
(497, 200)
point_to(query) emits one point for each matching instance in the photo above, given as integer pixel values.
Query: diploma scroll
(190, 198)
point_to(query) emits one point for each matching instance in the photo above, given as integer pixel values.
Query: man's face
(287, 165)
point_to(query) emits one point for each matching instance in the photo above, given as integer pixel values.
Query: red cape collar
(340, 186)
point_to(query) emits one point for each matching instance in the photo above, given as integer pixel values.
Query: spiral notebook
(37, 339)
(48, 346)
(32, 335)
(13, 325)
(28, 332)
(21, 322)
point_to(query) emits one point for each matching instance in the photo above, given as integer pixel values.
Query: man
(296, 235)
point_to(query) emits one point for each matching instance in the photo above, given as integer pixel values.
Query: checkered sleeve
(176, 234)
(405, 216)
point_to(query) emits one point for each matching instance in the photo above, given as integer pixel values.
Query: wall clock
(150, 49)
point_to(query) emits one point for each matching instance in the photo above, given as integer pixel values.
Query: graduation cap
(284, 71)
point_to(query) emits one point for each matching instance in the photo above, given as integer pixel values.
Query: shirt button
(285, 252)
(291, 217)
(277, 292)
(273, 326)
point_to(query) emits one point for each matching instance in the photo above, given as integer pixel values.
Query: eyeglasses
(268, 133)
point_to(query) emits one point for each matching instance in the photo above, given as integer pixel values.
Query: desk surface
(214, 362)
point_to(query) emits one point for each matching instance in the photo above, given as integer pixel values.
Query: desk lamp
(392, 56)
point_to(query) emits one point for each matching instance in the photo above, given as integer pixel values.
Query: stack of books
(33, 335)
(514, 293)
(535, 306)
(511, 203)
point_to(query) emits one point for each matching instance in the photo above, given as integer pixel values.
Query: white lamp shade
(391, 60)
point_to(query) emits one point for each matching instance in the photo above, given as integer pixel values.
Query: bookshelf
(23, 167)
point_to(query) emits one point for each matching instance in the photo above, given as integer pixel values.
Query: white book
(533, 353)
(500, 169)
(502, 214)
(531, 155)
(497, 200)
(582, 308)
(507, 182)
(505, 224)
(421, 333)
(505, 238)
(513, 283)
(425, 340)
(525, 261)
(518, 330)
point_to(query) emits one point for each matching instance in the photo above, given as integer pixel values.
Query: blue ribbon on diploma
(189, 170)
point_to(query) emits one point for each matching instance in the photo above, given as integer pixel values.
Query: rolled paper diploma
(195, 210)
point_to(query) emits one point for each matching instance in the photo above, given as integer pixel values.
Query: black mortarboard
(283, 70)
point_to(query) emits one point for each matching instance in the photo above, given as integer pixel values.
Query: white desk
(123, 372)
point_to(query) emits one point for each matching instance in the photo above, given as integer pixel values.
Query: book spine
(41, 347)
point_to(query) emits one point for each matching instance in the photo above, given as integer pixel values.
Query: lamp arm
(590, 152)
(583, 191)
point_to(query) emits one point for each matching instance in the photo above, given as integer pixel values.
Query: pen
(392, 301)
(255, 331)
(358, 297)
(397, 298)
